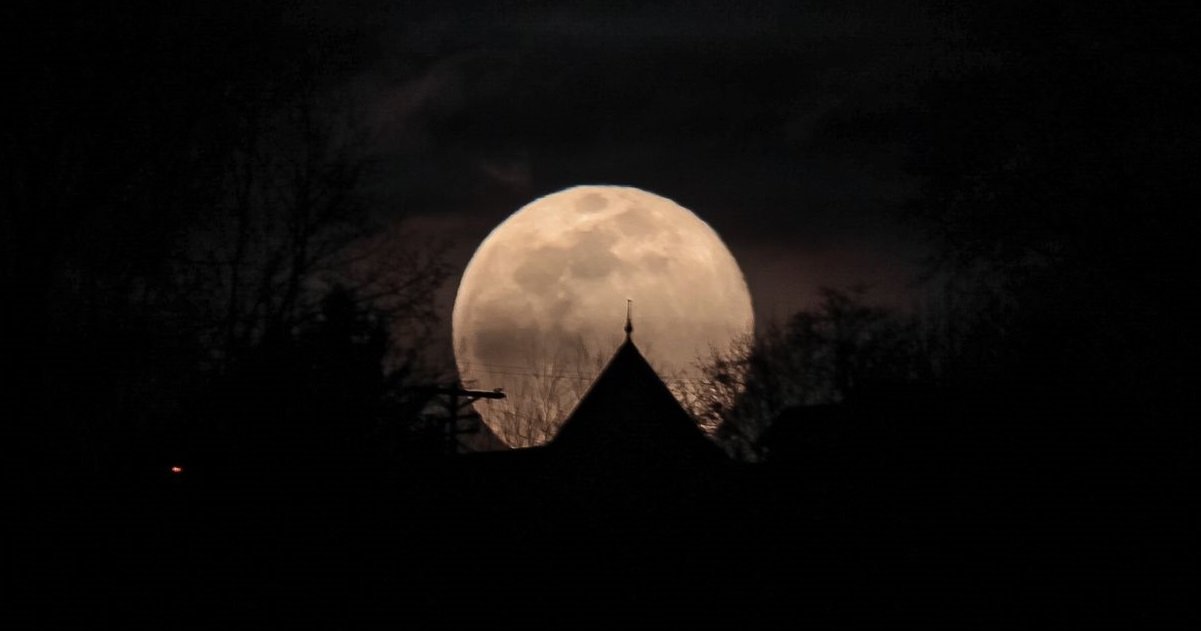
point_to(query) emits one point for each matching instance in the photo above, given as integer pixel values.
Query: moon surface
(542, 303)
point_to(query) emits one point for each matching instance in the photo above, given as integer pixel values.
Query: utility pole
(458, 398)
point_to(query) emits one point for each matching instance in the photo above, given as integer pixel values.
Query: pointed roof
(629, 410)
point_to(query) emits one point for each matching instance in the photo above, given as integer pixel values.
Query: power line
(519, 371)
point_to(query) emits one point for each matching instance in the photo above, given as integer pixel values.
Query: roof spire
(629, 324)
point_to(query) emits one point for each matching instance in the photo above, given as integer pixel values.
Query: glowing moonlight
(542, 303)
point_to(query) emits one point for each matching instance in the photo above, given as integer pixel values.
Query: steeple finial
(629, 323)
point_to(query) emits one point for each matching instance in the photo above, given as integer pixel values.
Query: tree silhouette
(542, 386)
(819, 356)
(174, 206)
(1051, 169)
(328, 390)
(303, 290)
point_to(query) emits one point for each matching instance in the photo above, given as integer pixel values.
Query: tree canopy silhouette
(1052, 169)
(180, 192)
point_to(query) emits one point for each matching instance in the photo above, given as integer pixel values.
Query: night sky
(1032, 147)
(231, 233)
(781, 124)
(831, 144)
(749, 115)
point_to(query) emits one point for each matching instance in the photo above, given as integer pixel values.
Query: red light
(176, 470)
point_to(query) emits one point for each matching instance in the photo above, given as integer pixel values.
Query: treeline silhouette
(197, 251)
(153, 262)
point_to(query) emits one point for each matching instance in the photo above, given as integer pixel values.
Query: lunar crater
(538, 273)
(592, 203)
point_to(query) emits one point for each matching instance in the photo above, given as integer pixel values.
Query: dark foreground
(978, 538)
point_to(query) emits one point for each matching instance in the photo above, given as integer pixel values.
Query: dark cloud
(780, 125)
(776, 122)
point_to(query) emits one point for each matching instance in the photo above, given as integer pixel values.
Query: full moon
(542, 304)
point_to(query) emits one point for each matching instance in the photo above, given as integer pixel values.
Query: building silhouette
(629, 420)
(627, 458)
